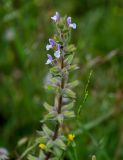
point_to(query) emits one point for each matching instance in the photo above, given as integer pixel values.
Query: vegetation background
(25, 27)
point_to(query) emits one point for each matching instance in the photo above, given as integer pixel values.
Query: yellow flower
(42, 146)
(71, 137)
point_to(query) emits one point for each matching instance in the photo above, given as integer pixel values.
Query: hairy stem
(58, 109)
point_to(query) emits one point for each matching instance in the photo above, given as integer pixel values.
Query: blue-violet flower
(50, 59)
(72, 25)
(51, 44)
(57, 53)
(56, 17)
(3, 154)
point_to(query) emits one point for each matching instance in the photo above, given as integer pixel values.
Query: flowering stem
(53, 142)
(58, 109)
(62, 87)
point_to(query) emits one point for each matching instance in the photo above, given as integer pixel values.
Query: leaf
(40, 139)
(73, 84)
(60, 143)
(22, 141)
(55, 70)
(73, 144)
(30, 157)
(73, 67)
(51, 87)
(69, 59)
(70, 48)
(55, 80)
(41, 155)
(47, 130)
(69, 114)
(27, 150)
(57, 152)
(69, 93)
(68, 106)
(48, 107)
(51, 115)
(85, 94)
(50, 144)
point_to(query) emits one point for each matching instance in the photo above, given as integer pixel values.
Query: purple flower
(56, 17)
(57, 53)
(50, 59)
(68, 20)
(71, 25)
(3, 154)
(51, 44)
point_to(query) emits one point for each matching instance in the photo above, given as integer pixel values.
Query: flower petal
(68, 20)
(57, 54)
(52, 42)
(48, 47)
(50, 59)
(48, 62)
(56, 17)
(58, 47)
(73, 25)
(53, 18)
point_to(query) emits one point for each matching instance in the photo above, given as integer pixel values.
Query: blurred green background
(25, 27)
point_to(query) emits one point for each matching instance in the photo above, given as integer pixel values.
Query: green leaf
(70, 48)
(50, 116)
(73, 144)
(69, 59)
(46, 130)
(48, 107)
(57, 152)
(85, 94)
(60, 143)
(41, 140)
(73, 84)
(55, 80)
(51, 87)
(22, 141)
(30, 157)
(69, 114)
(73, 67)
(69, 93)
(55, 70)
(27, 150)
(68, 106)
(50, 144)
(41, 155)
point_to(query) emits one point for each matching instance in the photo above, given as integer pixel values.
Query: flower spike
(53, 141)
